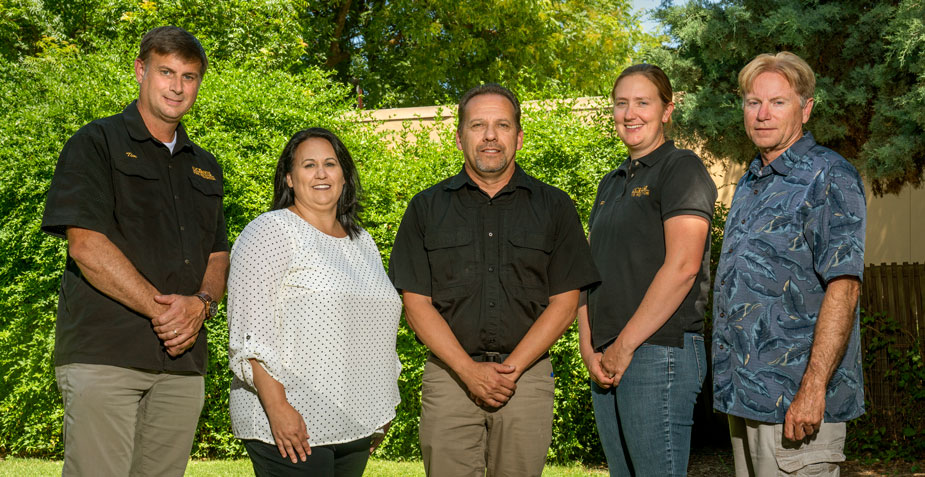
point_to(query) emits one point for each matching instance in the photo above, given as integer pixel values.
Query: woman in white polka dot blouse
(312, 320)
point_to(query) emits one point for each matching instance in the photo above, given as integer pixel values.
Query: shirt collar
(519, 179)
(657, 154)
(139, 132)
(785, 162)
(648, 160)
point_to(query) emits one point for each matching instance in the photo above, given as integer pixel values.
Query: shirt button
(491, 269)
(186, 261)
(722, 315)
(182, 228)
(743, 221)
(491, 304)
(722, 347)
(247, 337)
(170, 166)
(722, 282)
(176, 197)
(755, 191)
(491, 234)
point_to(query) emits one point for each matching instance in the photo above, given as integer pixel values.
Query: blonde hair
(795, 69)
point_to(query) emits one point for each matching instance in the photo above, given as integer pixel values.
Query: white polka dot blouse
(319, 313)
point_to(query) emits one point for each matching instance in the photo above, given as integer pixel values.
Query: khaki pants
(761, 450)
(127, 422)
(459, 438)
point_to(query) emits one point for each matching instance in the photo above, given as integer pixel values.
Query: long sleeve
(259, 261)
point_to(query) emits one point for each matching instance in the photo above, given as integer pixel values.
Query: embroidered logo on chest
(129, 154)
(641, 191)
(203, 173)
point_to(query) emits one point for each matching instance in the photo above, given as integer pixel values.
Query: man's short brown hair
(487, 88)
(795, 69)
(170, 40)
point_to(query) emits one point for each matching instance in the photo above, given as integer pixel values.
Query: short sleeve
(260, 260)
(838, 224)
(409, 267)
(597, 198)
(221, 229)
(570, 264)
(81, 193)
(687, 188)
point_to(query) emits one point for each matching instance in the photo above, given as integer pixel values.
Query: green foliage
(869, 60)
(244, 115)
(407, 52)
(401, 52)
(894, 429)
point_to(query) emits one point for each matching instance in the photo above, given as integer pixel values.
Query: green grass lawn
(14, 467)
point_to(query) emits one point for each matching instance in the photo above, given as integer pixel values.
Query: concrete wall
(895, 222)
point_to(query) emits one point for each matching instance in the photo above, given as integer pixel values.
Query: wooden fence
(896, 292)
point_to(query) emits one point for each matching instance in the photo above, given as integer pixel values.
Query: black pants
(335, 460)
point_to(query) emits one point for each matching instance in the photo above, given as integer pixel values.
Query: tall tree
(869, 59)
(400, 52)
(414, 52)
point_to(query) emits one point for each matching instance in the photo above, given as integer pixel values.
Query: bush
(894, 429)
(245, 114)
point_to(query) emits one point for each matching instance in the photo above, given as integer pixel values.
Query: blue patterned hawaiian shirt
(794, 225)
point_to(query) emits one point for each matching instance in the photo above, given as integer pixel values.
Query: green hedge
(244, 115)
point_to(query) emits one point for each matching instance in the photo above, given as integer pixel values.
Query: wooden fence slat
(919, 294)
(898, 292)
(907, 291)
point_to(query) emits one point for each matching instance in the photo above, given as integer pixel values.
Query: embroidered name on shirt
(641, 191)
(129, 154)
(203, 173)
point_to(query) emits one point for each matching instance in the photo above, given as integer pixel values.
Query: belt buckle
(493, 357)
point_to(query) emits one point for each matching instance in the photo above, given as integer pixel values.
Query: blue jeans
(645, 422)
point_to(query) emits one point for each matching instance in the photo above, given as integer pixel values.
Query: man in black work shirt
(490, 263)
(141, 208)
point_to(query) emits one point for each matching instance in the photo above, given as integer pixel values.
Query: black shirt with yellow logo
(627, 238)
(162, 210)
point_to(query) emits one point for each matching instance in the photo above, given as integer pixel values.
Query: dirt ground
(717, 462)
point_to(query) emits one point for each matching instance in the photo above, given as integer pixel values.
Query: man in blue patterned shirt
(786, 344)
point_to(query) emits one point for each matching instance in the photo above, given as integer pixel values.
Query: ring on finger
(176, 333)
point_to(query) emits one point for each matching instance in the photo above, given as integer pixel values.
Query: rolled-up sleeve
(260, 259)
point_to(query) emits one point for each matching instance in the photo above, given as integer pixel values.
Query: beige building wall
(895, 222)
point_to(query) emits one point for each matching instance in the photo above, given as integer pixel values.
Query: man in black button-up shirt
(490, 263)
(141, 208)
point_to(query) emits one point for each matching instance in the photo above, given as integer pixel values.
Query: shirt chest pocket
(206, 200)
(776, 226)
(137, 188)
(452, 257)
(528, 260)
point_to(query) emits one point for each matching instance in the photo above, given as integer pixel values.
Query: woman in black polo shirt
(641, 329)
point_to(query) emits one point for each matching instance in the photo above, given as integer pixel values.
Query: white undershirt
(173, 142)
(321, 315)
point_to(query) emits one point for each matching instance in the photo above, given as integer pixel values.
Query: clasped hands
(179, 324)
(607, 368)
(490, 385)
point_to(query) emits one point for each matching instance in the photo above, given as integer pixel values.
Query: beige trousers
(461, 439)
(761, 450)
(127, 422)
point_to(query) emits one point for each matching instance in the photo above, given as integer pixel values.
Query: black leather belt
(489, 357)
